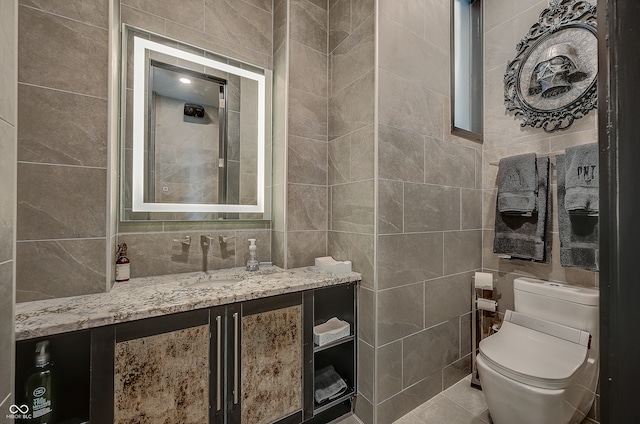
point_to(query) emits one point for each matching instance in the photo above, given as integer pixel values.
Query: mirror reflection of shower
(188, 141)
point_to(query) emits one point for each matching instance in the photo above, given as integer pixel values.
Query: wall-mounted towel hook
(186, 240)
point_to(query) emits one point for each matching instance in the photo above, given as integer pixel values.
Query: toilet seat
(532, 357)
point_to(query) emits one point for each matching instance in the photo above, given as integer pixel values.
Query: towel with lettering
(579, 233)
(518, 185)
(581, 179)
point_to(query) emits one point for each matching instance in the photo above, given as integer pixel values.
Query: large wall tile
(409, 399)
(366, 358)
(280, 24)
(442, 157)
(401, 154)
(462, 251)
(8, 70)
(366, 315)
(62, 268)
(389, 370)
(308, 24)
(390, 207)
(304, 246)
(307, 69)
(409, 106)
(305, 164)
(60, 202)
(364, 410)
(46, 45)
(307, 207)
(429, 351)
(446, 298)
(352, 108)
(352, 207)
(141, 19)
(408, 258)
(357, 248)
(57, 128)
(471, 209)
(307, 115)
(425, 64)
(339, 23)
(437, 18)
(390, 57)
(6, 329)
(360, 11)
(455, 372)
(219, 45)
(90, 12)
(362, 154)
(7, 189)
(431, 208)
(400, 312)
(354, 57)
(340, 160)
(189, 12)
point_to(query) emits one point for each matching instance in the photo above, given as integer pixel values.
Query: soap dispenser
(252, 263)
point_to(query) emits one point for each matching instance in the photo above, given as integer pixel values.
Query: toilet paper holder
(481, 281)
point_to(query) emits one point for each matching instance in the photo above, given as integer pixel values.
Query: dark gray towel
(581, 179)
(518, 185)
(328, 384)
(525, 237)
(579, 233)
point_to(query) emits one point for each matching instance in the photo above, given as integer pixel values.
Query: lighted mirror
(196, 133)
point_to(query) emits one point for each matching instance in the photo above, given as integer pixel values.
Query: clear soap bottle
(39, 387)
(252, 263)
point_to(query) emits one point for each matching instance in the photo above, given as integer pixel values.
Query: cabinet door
(271, 360)
(161, 370)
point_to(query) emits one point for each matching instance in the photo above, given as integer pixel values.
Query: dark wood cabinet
(250, 362)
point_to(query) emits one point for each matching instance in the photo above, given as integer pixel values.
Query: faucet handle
(206, 240)
(184, 240)
(225, 239)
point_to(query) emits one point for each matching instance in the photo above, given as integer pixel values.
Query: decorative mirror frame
(561, 21)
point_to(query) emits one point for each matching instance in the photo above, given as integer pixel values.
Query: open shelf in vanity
(339, 302)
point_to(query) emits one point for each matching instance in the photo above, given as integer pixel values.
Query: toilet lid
(532, 357)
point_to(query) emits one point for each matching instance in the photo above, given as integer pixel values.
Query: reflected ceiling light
(185, 80)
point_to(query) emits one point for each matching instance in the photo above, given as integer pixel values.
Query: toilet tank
(575, 307)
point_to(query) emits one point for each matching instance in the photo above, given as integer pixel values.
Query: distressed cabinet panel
(271, 350)
(163, 378)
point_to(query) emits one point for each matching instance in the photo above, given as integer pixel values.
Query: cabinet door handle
(218, 363)
(235, 358)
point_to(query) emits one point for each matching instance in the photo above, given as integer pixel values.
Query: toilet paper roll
(487, 305)
(484, 280)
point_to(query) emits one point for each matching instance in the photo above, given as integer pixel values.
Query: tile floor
(459, 404)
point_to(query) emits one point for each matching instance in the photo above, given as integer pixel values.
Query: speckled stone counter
(149, 297)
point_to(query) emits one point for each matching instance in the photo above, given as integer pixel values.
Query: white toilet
(542, 366)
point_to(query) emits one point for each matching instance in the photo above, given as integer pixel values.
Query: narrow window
(466, 68)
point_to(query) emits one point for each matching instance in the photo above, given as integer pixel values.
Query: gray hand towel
(328, 384)
(525, 237)
(518, 185)
(581, 179)
(579, 233)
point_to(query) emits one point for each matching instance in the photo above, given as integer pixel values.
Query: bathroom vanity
(224, 346)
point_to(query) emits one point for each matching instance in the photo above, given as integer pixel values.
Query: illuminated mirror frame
(141, 48)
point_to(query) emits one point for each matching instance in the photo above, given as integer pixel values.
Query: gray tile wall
(62, 149)
(429, 233)
(307, 93)
(504, 26)
(245, 31)
(8, 147)
(351, 166)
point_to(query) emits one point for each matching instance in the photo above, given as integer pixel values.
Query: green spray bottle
(39, 388)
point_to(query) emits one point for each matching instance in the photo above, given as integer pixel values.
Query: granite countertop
(149, 297)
